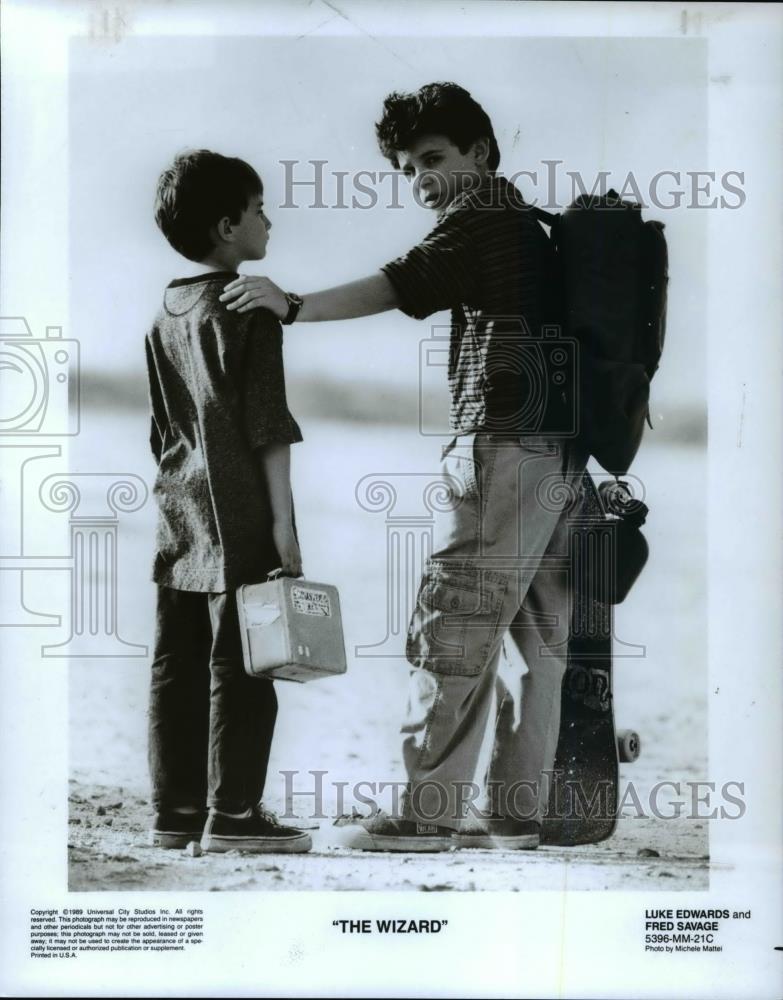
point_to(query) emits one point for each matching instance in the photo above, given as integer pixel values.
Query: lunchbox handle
(275, 573)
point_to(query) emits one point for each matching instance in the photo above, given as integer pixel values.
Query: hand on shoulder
(250, 292)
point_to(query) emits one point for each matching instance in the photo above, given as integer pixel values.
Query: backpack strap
(548, 218)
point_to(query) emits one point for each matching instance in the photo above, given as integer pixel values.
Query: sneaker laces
(268, 814)
(272, 818)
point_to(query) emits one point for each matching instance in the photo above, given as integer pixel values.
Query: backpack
(611, 280)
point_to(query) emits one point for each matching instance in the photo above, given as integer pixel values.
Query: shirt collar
(208, 276)
(496, 183)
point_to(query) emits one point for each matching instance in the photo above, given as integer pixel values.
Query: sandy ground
(347, 726)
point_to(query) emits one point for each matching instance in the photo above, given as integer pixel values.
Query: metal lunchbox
(291, 629)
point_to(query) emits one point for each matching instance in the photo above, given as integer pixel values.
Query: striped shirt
(487, 261)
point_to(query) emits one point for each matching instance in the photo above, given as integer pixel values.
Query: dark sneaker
(382, 832)
(175, 829)
(499, 832)
(259, 833)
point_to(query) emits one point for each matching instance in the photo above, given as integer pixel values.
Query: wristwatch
(295, 303)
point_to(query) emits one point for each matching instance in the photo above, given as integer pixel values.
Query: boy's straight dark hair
(196, 192)
(438, 109)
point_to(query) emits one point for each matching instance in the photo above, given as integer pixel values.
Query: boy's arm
(438, 273)
(156, 440)
(364, 297)
(157, 410)
(275, 461)
(267, 424)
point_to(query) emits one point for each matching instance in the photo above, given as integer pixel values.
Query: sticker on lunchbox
(311, 602)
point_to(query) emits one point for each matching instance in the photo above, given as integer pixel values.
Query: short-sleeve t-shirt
(217, 392)
(488, 261)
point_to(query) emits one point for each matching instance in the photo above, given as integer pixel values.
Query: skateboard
(583, 793)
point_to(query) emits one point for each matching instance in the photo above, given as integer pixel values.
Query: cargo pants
(497, 577)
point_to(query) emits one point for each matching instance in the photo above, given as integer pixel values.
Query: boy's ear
(481, 151)
(224, 230)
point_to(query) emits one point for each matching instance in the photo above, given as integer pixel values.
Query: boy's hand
(246, 293)
(287, 548)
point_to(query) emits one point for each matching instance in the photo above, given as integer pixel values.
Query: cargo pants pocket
(455, 621)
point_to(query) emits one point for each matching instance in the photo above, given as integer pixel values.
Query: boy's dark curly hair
(437, 108)
(196, 192)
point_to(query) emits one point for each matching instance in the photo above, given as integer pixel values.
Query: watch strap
(295, 303)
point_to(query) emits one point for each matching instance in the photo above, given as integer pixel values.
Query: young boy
(503, 540)
(221, 432)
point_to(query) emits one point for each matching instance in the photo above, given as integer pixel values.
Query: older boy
(221, 432)
(486, 260)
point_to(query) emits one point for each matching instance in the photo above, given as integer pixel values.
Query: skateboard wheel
(629, 746)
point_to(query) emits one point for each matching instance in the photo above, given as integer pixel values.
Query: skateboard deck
(583, 795)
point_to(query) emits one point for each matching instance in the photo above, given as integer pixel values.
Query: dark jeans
(210, 724)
